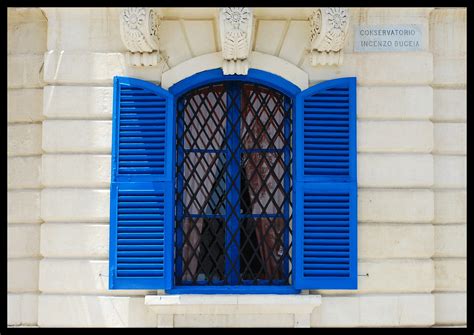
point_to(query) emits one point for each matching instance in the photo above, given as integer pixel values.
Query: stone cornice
(235, 25)
(329, 27)
(139, 29)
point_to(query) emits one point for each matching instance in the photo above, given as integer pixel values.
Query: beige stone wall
(26, 45)
(448, 44)
(411, 165)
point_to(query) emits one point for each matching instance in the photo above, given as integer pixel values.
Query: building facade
(411, 157)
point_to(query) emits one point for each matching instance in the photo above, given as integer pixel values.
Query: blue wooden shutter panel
(142, 194)
(325, 247)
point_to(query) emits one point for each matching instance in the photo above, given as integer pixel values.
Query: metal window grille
(233, 186)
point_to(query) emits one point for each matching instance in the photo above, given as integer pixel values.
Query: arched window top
(216, 75)
(258, 61)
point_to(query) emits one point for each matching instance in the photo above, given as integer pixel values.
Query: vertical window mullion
(287, 181)
(232, 232)
(180, 193)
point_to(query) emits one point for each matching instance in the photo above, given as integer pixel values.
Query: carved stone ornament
(329, 27)
(139, 30)
(236, 33)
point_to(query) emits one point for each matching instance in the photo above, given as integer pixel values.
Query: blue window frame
(142, 247)
(225, 131)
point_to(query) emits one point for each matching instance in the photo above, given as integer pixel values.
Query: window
(233, 184)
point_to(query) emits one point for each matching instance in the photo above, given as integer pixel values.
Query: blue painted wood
(253, 76)
(325, 216)
(287, 182)
(179, 204)
(325, 180)
(216, 75)
(232, 233)
(225, 289)
(142, 192)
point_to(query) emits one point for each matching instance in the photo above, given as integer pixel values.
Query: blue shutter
(141, 191)
(325, 218)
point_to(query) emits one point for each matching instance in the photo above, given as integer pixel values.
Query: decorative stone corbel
(139, 30)
(329, 27)
(236, 33)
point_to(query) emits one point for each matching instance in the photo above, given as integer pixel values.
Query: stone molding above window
(139, 27)
(236, 34)
(328, 31)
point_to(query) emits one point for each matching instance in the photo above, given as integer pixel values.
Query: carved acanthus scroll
(329, 27)
(236, 33)
(139, 28)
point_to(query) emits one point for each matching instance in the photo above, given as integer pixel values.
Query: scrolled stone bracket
(139, 29)
(235, 25)
(328, 31)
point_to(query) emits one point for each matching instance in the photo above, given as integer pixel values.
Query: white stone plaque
(388, 38)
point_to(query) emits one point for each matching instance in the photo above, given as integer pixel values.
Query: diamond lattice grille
(233, 182)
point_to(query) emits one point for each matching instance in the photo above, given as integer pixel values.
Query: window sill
(301, 305)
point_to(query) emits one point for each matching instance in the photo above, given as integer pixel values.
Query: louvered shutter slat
(141, 188)
(326, 187)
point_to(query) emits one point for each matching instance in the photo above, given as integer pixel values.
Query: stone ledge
(299, 305)
(232, 303)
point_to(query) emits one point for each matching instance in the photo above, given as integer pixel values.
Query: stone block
(382, 68)
(337, 312)
(78, 276)
(18, 15)
(25, 71)
(450, 308)
(91, 29)
(395, 170)
(449, 71)
(75, 205)
(269, 35)
(233, 320)
(23, 240)
(200, 36)
(450, 171)
(174, 41)
(295, 41)
(27, 37)
(22, 275)
(82, 67)
(450, 138)
(402, 310)
(405, 310)
(450, 206)
(394, 136)
(449, 105)
(22, 309)
(395, 205)
(24, 139)
(71, 240)
(78, 102)
(385, 240)
(25, 105)
(450, 274)
(24, 172)
(448, 32)
(24, 206)
(450, 240)
(77, 136)
(395, 103)
(391, 276)
(93, 311)
(61, 170)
